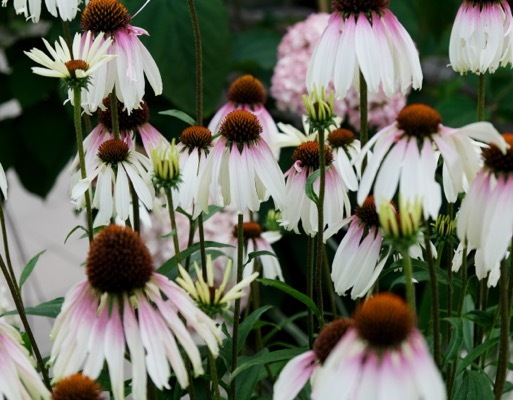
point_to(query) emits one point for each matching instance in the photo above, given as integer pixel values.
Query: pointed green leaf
(27, 270)
(180, 115)
(309, 186)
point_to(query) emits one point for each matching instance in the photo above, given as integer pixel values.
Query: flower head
(405, 157)
(240, 170)
(481, 37)
(345, 148)
(212, 299)
(75, 67)
(75, 387)
(19, 379)
(124, 307)
(357, 32)
(382, 354)
(248, 93)
(166, 169)
(319, 109)
(133, 62)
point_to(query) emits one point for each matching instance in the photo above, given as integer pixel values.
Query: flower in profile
(77, 386)
(301, 368)
(485, 221)
(194, 146)
(115, 168)
(212, 299)
(357, 31)
(300, 206)
(75, 67)
(248, 93)
(133, 61)
(401, 228)
(345, 148)
(382, 355)
(359, 258)
(255, 239)
(481, 37)
(19, 379)
(166, 169)
(31, 9)
(405, 155)
(240, 170)
(125, 309)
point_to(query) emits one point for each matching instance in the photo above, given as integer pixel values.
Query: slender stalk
(309, 288)
(174, 232)
(135, 210)
(81, 158)
(6, 243)
(114, 114)
(192, 230)
(203, 251)
(323, 6)
(236, 313)
(364, 127)
(464, 281)
(481, 98)
(67, 34)
(23, 316)
(502, 366)
(408, 275)
(320, 226)
(435, 304)
(199, 62)
(213, 376)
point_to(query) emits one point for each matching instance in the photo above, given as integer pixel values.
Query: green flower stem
(192, 230)
(323, 6)
(77, 110)
(435, 302)
(464, 281)
(6, 245)
(174, 232)
(135, 210)
(203, 251)
(309, 288)
(320, 226)
(213, 376)
(114, 114)
(236, 313)
(364, 127)
(502, 366)
(199, 62)
(18, 301)
(408, 275)
(481, 97)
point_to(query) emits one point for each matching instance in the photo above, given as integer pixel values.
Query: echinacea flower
(300, 208)
(345, 148)
(195, 143)
(481, 37)
(116, 167)
(18, 377)
(405, 156)
(485, 221)
(75, 67)
(133, 61)
(31, 9)
(166, 168)
(125, 309)
(359, 258)
(240, 170)
(296, 373)
(77, 386)
(358, 33)
(212, 299)
(255, 239)
(248, 93)
(382, 355)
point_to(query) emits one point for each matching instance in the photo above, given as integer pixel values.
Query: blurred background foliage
(238, 36)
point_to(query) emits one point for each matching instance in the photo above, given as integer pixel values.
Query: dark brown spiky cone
(384, 321)
(77, 387)
(367, 212)
(341, 138)
(113, 151)
(247, 90)
(419, 120)
(308, 154)
(329, 336)
(118, 261)
(496, 160)
(359, 6)
(251, 230)
(241, 126)
(127, 121)
(104, 16)
(196, 137)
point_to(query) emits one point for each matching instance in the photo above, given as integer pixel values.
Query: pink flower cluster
(288, 81)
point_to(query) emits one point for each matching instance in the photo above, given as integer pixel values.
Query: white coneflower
(31, 9)
(358, 33)
(481, 37)
(125, 308)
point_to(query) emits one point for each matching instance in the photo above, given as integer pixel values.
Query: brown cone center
(359, 6)
(240, 126)
(196, 137)
(247, 90)
(76, 387)
(328, 338)
(419, 120)
(495, 160)
(104, 16)
(308, 154)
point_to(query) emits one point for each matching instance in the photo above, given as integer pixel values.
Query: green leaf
(476, 352)
(27, 270)
(50, 309)
(266, 357)
(259, 253)
(180, 115)
(292, 292)
(309, 186)
(454, 347)
(170, 264)
(473, 385)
